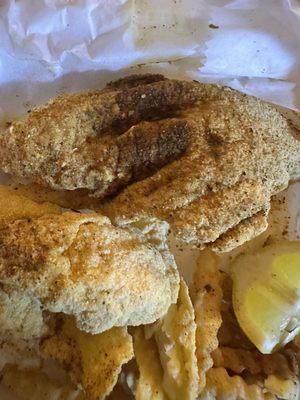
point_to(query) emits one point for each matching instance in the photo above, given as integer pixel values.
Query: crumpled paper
(256, 49)
(52, 46)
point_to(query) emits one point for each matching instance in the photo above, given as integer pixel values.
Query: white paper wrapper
(256, 49)
(53, 46)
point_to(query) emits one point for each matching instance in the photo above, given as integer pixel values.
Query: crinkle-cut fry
(93, 361)
(175, 337)
(33, 384)
(207, 298)
(221, 386)
(238, 360)
(286, 389)
(150, 383)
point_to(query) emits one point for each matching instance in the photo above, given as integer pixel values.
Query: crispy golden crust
(203, 157)
(240, 233)
(282, 364)
(207, 298)
(83, 266)
(222, 386)
(239, 152)
(90, 140)
(93, 362)
(34, 384)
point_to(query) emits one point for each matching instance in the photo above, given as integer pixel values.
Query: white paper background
(53, 46)
(50, 46)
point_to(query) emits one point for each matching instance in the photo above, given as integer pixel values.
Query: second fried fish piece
(80, 265)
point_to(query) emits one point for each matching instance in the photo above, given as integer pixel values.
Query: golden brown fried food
(203, 157)
(81, 265)
(175, 336)
(237, 369)
(15, 206)
(207, 298)
(149, 385)
(238, 152)
(89, 140)
(221, 386)
(33, 384)
(238, 360)
(93, 362)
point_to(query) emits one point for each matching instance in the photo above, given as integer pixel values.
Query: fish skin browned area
(205, 158)
(98, 140)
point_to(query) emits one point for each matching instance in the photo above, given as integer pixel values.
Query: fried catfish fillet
(205, 158)
(89, 140)
(80, 265)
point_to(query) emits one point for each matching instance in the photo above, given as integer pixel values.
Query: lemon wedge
(266, 294)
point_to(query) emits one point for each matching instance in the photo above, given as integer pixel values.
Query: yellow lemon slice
(266, 294)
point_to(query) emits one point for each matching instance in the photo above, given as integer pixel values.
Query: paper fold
(250, 45)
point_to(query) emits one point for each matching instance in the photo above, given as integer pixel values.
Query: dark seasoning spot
(213, 26)
(214, 140)
(209, 288)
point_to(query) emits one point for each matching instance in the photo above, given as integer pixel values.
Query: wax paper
(53, 46)
(49, 47)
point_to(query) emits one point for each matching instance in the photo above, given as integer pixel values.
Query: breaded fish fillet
(205, 158)
(81, 140)
(80, 265)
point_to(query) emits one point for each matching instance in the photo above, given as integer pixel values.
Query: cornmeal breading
(81, 265)
(33, 384)
(205, 158)
(238, 152)
(78, 141)
(15, 206)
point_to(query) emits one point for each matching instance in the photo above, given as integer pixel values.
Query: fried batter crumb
(80, 265)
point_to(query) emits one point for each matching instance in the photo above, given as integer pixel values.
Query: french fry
(175, 336)
(239, 360)
(207, 298)
(150, 383)
(221, 386)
